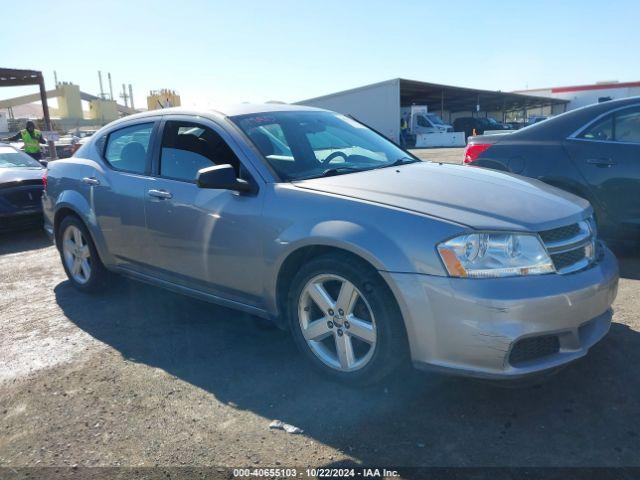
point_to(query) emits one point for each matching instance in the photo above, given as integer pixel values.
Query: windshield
(435, 119)
(300, 145)
(11, 158)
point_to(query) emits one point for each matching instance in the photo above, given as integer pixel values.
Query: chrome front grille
(571, 247)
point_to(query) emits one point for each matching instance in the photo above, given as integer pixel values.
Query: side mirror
(222, 177)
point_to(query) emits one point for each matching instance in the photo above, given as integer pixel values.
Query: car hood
(470, 196)
(20, 174)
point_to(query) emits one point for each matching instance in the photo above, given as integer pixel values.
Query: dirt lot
(139, 376)
(445, 155)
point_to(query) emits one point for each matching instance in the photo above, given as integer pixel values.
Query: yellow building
(69, 101)
(164, 98)
(103, 110)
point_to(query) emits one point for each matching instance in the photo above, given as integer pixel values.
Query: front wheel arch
(296, 259)
(392, 348)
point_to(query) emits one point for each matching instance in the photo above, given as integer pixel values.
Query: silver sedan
(370, 257)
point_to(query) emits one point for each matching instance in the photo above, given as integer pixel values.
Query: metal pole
(101, 89)
(110, 87)
(45, 113)
(124, 95)
(131, 96)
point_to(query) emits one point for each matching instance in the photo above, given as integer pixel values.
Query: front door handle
(91, 181)
(159, 193)
(601, 162)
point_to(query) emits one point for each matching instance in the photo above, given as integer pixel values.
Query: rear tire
(79, 256)
(345, 320)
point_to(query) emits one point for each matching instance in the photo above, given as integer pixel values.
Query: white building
(582, 95)
(379, 105)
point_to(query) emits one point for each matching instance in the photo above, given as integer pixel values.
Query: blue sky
(246, 50)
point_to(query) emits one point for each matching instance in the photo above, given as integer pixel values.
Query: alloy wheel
(77, 255)
(337, 322)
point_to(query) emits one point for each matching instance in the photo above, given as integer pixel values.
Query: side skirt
(190, 292)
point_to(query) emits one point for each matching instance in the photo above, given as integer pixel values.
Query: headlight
(593, 226)
(495, 254)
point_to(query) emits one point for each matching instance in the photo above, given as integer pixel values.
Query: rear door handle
(159, 193)
(601, 162)
(91, 181)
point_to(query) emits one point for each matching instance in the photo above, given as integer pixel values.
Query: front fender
(372, 245)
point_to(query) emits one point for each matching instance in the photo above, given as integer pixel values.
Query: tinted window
(627, 126)
(188, 147)
(601, 130)
(622, 126)
(423, 121)
(127, 148)
(435, 119)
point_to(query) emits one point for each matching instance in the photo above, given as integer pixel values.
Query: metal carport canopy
(11, 77)
(460, 99)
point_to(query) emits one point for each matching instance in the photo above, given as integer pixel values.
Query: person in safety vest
(32, 139)
(404, 130)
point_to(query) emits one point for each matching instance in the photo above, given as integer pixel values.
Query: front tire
(345, 320)
(79, 256)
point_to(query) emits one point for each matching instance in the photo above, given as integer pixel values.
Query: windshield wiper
(330, 172)
(400, 161)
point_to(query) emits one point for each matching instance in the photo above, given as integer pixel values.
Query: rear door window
(627, 126)
(128, 148)
(602, 130)
(622, 126)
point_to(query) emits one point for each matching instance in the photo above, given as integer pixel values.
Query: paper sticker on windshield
(261, 120)
(350, 121)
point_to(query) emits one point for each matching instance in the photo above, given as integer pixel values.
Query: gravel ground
(445, 155)
(138, 376)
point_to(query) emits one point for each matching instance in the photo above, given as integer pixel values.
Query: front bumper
(21, 220)
(472, 327)
(20, 207)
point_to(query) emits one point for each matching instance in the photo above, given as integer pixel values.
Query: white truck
(428, 129)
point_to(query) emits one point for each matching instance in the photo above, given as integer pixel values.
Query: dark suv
(480, 125)
(593, 152)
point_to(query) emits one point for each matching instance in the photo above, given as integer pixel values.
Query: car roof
(231, 110)
(565, 124)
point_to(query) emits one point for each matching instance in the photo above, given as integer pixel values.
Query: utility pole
(55, 79)
(102, 95)
(110, 86)
(124, 96)
(131, 96)
(45, 114)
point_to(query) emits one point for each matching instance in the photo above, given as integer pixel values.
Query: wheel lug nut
(330, 324)
(346, 325)
(340, 332)
(341, 312)
(306, 309)
(330, 311)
